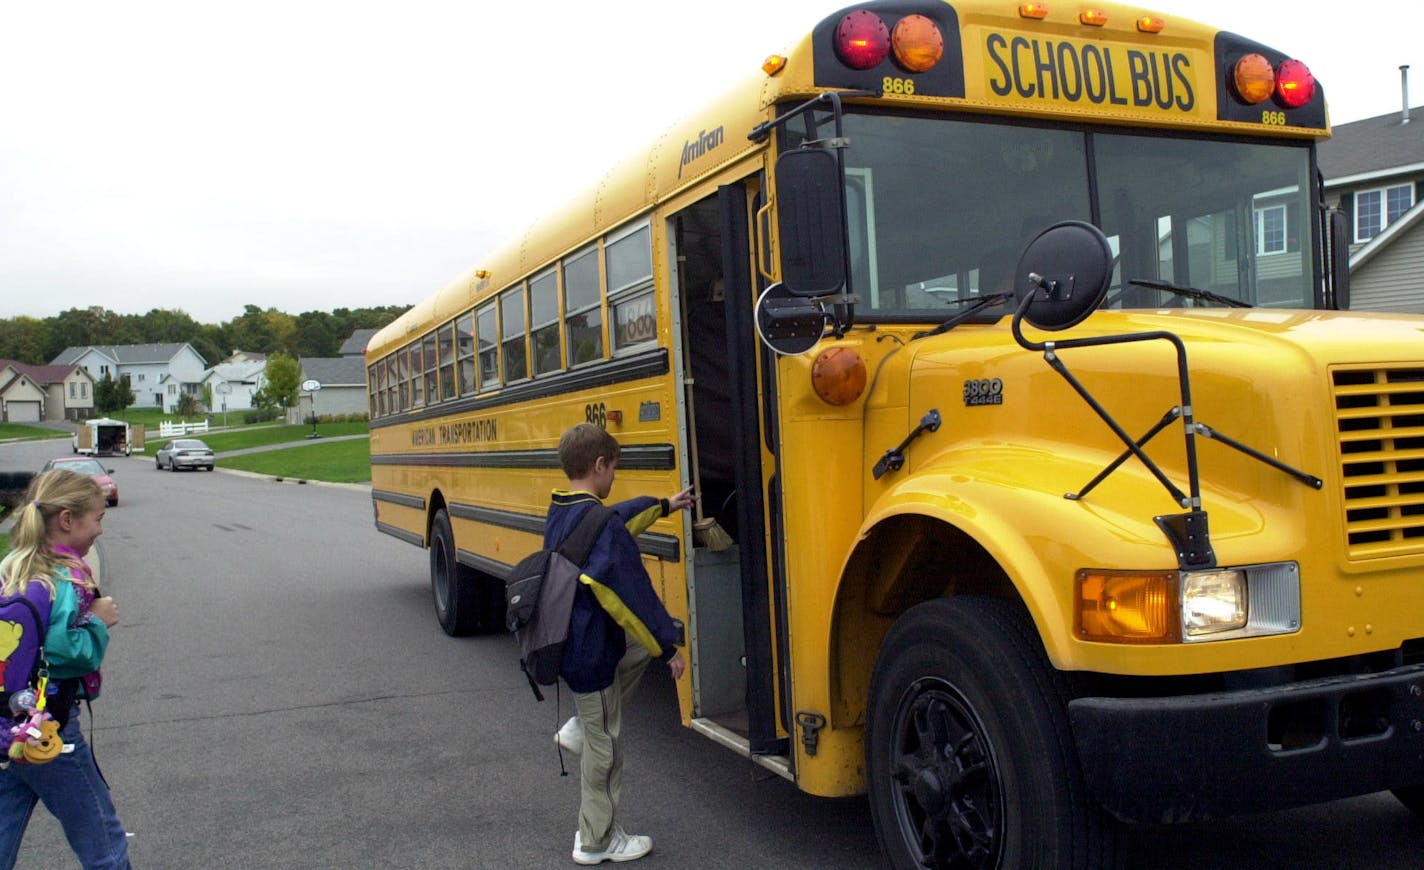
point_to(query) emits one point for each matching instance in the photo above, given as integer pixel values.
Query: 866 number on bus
(597, 414)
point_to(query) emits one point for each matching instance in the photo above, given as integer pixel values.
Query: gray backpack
(539, 595)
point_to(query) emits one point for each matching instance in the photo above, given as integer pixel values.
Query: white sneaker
(623, 846)
(571, 736)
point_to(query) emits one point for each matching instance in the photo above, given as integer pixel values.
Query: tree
(25, 339)
(315, 335)
(188, 406)
(123, 393)
(111, 395)
(283, 376)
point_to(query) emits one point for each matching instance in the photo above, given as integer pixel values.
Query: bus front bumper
(1193, 757)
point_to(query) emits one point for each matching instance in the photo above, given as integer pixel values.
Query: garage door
(23, 412)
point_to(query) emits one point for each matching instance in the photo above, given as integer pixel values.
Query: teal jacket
(75, 643)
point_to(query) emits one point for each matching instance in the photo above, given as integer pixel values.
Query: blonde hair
(32, 555)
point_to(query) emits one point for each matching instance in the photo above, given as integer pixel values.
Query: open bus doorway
(730, 634)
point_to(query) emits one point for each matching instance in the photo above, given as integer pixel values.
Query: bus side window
(544, 323)
(583, 313)
(512, 344)
(488, 341)
(465, 338)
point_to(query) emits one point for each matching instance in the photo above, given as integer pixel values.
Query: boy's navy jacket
(615, 598)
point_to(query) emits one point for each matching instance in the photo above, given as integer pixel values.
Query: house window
(1377, 209)
(141, 376)
(172, 389)
(72, 385)
(1271, 230)
(83, 390)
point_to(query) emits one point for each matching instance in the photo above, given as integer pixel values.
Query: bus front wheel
(455, 588)
(968, 749)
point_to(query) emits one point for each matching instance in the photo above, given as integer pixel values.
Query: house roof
(1382, 240)
(356, 344)
(44, 375)
(125, 354)
(240, 372)
(335, 371)
(1373, 146)
(19, 380)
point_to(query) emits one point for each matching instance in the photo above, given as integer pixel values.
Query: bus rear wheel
(968, 749)
(466, 601)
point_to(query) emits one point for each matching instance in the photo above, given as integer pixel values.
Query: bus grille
(1379, 417)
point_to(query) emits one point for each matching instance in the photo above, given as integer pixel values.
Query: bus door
(732, 605)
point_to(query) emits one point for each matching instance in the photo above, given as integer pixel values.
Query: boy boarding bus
(1045, 483)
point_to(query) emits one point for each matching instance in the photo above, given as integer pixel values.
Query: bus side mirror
(1340, 259)
(810, 199)
(1063, 275)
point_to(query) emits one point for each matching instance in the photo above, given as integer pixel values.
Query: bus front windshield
(940, 209)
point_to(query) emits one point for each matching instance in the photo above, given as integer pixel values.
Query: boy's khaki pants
(601, 767)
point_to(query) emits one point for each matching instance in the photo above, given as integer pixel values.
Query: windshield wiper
(976, 305)
(1190, 292)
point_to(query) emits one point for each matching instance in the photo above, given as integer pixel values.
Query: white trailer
(104, 436)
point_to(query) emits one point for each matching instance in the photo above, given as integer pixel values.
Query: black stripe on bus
(651, 364)
(632, 457)
(493, 567)
(662, 546)
(408, 537)
(411, 501)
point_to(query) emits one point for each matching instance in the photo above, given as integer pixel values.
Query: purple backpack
(24, 619)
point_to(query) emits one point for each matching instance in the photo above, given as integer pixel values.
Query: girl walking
(59, 522)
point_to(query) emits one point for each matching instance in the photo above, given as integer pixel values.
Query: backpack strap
(580, 541)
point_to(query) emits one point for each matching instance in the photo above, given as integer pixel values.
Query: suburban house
(232, 382)
(159, 374)
(356, 344)
(1374, 172)
(343, 386)
(66, 392)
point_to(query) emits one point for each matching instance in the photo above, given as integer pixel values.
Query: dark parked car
(90, 466)
(183, 453)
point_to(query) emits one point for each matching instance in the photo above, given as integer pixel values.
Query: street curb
(356, 487)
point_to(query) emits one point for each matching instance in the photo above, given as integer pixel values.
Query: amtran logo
(692, 150)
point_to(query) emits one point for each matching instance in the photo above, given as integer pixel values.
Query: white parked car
(183, 453)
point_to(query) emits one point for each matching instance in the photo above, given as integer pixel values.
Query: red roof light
(862, 40)
(1295, 84)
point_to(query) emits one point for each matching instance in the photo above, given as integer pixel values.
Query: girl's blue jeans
(76, 794)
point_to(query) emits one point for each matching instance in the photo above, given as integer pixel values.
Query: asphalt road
(279, 695)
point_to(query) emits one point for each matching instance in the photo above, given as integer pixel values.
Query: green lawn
(335, 461)
(16, 430)
(260, 436)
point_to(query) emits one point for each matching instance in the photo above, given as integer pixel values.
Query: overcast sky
(310, 155)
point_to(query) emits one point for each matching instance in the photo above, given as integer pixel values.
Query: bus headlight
(1157, 607)
(1213, 601)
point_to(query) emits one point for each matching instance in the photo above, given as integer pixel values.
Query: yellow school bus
(1046, 483)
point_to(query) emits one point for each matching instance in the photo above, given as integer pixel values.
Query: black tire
(1412, 797)
(466, 601)
(157, 466)
(172, 466)
(970, 757)
(210, 468)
